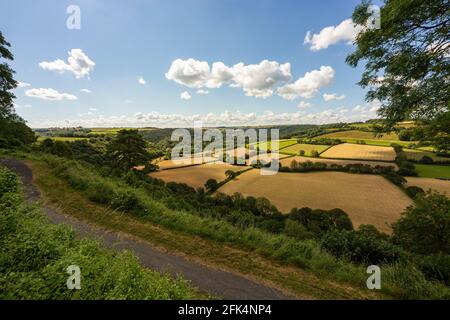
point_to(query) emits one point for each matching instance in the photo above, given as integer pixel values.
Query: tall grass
(305, 254)
(34, 257)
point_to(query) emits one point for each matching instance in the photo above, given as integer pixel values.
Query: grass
(301, 283)
(282, 144)
(315, 272)
(69, 139)
(433, 171)
(35, 255)
(308, 148)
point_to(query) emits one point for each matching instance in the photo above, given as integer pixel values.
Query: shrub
(424, 228)
(395, 178)
(426, 160)
(8, 181)
(364, 245)
(413, 191)
(436, 267)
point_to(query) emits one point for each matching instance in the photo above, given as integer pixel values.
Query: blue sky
(127, 40)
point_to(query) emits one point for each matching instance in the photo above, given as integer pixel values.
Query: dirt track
(217, 282)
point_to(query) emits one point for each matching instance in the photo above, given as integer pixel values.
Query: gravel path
(219, 283)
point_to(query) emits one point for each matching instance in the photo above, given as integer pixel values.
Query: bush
(395, 178)
(436, 267)
(414, 191)
(8, 181)
(296, 230)
(362, 246)
(426, 160)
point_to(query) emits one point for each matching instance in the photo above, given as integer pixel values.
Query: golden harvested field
(418, 154)
(184, 162)
(442, 186)
(360, 151)
(196, 176)
(358, 134)
(287, 162)
(368, 199)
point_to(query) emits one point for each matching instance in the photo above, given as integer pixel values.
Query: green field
(433, 171)
(282, 144)
(70, 139)
(308, 148)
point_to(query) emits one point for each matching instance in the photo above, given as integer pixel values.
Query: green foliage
(211, 185)
(414, 191)
(410, 52)
(365, 245)
(425, 227)
(321, 221)
(8, 181)
(127, 150)
(395, 178)
(13, 130)
(436, 267)
(36, 254)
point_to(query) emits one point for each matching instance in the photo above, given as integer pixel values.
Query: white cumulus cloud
(86, 90)
(304, 105)
(185, 96)
(203, 92)
(333, 96)
(345, 31)
(142, 81)
(258, 80)
(49, 94)
(308, 85)
(77, 63)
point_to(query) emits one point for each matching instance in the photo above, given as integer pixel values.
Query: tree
(407, 61)
(128, 150)
(13, 130)
(211, 185)
(230, 174)
(425, 227)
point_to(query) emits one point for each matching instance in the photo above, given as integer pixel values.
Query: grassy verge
(35, 255)
(293, 280)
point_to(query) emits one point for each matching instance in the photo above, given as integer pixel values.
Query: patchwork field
(287, 162)
(368, 199)
(352, 136)
(358, 134)
(433, 171)
(442, 186)
(359, 151)
(196, 176)
(68, 139)
(415, 154)
(308, 148)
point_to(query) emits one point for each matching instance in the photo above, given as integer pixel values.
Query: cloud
(185, 96)
(142, 81)
(256, 80)
(308, 85)
(304, 105)
(21, 84)
(332, 96)
(49, 94)
(259, 80)
(226, 118)
(78, 63)
(201, 91)
(86, 90)
(345, 31)
(93, 109)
